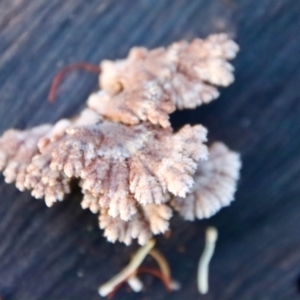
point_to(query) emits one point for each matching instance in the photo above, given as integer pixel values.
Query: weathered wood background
(59, 253)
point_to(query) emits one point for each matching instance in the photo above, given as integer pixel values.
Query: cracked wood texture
(59, 253)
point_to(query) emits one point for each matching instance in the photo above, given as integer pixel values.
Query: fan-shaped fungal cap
(121, 165)
(215, 184)
(149, 85)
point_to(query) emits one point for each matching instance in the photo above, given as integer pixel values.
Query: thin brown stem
(162, 262)
(157, 273)
(61, 74)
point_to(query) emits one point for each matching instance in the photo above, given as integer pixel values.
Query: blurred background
(59, 253)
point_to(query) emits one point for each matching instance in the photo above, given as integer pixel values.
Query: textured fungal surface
(123, 166)
(132, 168)
(17, 148)
(215, 184)
(25, 157)
(149, 220)
(149, 85)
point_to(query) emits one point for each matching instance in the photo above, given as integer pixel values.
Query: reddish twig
(157, 273)
(148, 270)
(61, 74)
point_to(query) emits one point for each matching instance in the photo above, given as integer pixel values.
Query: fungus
(149, 85)
(215, 184)
(123, 166)
(133, 169)
(209, 248)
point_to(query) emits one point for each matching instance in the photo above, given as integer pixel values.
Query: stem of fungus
(202, 276)
(165, 270)
(164, 274)
(138, 258)
(162, 262)
(61, 74)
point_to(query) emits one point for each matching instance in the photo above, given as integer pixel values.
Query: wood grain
(59, 253)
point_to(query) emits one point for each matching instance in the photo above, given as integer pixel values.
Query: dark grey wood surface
(59, 253)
